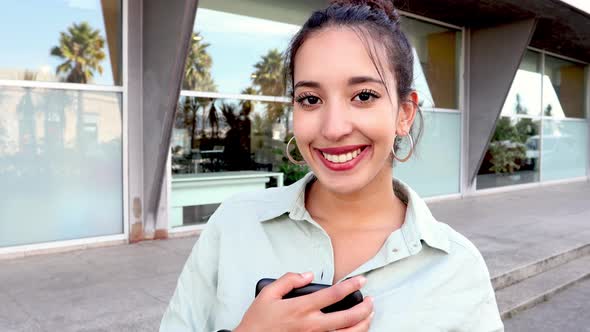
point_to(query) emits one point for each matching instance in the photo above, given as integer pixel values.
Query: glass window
(433, 170)
(437, 57)
(524, 97)
(229, 135)
(61, 41)
(237, 48)
(563, 89)
(519, 151)
(513, 154)
(564, 149)
(61, 155)
(221, 147)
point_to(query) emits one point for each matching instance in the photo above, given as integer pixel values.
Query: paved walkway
(515, 228)
(126, 288)
(566, 311)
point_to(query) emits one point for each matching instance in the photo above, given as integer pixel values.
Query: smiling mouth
(342, 156)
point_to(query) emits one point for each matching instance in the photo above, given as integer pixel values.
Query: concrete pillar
(494, 56)
(159, 35)
(588, 118)
(134, 120)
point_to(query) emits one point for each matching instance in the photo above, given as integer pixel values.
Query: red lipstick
(339, 167)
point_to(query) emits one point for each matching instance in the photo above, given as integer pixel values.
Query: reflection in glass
(72, 41)
(61, 153)
(564, 149)
(197, 73)
(229, 135)
(220, 145)
(239, 53)
(513, 154)
(563, 89)
(524, 97)
(437, 52)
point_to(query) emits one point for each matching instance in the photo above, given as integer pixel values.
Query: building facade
(125, 120)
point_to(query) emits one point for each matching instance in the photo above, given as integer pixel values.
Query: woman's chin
(342, 184)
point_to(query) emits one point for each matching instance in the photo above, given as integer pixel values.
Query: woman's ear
(407, 113)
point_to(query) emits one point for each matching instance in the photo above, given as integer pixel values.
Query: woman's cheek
(304, 135)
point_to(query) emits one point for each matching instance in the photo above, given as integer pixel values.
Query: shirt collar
(418, 225)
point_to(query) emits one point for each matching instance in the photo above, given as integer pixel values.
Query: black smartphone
(346, 303)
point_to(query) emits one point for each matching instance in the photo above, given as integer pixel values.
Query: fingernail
(307, 275)
(372, 315)
(363, 281)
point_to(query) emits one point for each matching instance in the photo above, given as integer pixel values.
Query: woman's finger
(335, 293)
(285, 284)
(347, 318)
(362, 326)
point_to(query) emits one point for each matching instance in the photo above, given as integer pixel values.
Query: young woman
(348, 223)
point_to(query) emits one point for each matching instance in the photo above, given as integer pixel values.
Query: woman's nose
(336, 122)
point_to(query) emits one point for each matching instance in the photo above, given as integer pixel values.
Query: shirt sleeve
(486, 317)
(195, 297)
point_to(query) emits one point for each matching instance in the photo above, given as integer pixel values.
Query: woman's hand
(269, 312)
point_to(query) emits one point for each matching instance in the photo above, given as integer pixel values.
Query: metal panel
(134, 121)
(495, 54)
(588, 118)
(167, 28)
(562, 28)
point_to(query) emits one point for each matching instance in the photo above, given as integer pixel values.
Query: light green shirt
(426, 277)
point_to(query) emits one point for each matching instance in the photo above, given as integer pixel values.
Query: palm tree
(82, 48)
(248, 105)
(213, 120)
(197, 76)
(269, 77)
(197, 73)
(269, 74)
(190, 123)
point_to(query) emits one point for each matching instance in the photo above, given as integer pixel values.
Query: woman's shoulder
(461, 247)
(251, 206)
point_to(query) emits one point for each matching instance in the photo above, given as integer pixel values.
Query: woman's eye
(309, 100)
(312, 100)
(366, 96)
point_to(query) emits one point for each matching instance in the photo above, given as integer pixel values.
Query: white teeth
(342, 158)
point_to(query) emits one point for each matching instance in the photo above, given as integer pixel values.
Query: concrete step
(539, 288)
(526, 271)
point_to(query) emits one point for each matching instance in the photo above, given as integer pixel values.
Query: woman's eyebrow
(351, 81)
(308, 84)
(363, 79)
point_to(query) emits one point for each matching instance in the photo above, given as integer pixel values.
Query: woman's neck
(374, 206)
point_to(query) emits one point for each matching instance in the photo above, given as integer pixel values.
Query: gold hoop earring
(300, 163)
(409, 154)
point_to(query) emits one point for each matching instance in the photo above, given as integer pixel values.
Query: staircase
(531, 284)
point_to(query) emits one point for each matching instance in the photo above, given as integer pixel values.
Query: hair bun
(385, 6)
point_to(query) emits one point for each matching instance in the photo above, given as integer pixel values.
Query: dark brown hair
(376, 22)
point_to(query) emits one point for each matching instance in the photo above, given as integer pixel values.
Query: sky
(237, 42)
(35, 26)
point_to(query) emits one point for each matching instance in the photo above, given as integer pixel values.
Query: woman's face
(345, 122)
